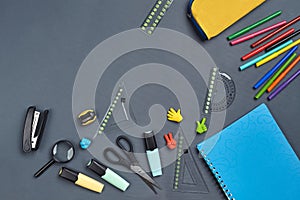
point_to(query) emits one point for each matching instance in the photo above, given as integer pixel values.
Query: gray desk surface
(43, 44)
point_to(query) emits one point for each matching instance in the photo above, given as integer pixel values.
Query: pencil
(281, 76)
(275, 68)
(257, 33)
(262, 40)
(262, 48)
(276, 54)
(284, 85)
(252, 62)
(265, 87)
(283, 41)
(256, 24)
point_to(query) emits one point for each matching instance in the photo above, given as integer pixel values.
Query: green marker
(274, 77)
(108, 175)
(256, 24)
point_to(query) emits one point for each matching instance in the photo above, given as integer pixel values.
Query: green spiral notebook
(251, 159)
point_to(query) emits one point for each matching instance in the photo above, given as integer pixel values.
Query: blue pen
(252, 62)
(274, 69)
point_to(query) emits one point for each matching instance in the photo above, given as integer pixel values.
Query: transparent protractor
(222, 100)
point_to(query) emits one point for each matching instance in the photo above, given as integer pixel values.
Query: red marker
(262, 48)
(253, 35)
(262, 40)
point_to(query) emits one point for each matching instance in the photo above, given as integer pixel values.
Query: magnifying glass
(62, 152)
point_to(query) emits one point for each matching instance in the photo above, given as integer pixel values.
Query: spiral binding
(217, 176)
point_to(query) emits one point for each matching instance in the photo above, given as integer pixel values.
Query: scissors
(130, 163)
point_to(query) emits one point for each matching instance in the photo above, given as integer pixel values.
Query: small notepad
(252, 159)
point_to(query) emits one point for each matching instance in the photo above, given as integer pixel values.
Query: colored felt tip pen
(252, 62)
(257, 33)
(81, 180)
(276, 54)
(256, 24)
(284, 73)
(269, 36)
(263, 47)
(275, 68)
(284, 85)
(273, 78)
(283, 40)
(108, 175)
(152, 153)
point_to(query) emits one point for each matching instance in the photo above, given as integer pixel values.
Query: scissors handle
(128, 152)
(127, 141)
(119, 159)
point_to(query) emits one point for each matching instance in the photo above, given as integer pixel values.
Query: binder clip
(34, 126)
(87, 117)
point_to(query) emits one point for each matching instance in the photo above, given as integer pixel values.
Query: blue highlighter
(152, 154)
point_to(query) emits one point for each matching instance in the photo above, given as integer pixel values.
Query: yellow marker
(81, 180)
(276, 54)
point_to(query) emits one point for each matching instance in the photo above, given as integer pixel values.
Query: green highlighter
(108, 175)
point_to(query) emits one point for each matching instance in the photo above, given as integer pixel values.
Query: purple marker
(284, 85)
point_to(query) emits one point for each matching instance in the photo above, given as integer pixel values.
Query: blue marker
(274, 69)
(252, 62)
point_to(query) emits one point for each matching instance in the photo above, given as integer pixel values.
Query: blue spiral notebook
(251, 159)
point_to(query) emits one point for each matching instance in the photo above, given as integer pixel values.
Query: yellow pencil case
(211, 17)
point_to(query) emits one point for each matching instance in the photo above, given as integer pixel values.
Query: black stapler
(34, 126)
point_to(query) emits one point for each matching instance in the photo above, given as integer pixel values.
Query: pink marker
(253, 35)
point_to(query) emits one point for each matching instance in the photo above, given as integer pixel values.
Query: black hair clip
(34, 126)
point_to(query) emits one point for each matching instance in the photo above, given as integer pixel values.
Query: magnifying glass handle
(44, 168)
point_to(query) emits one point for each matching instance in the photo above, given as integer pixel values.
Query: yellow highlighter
(276, 54)
(81, 180)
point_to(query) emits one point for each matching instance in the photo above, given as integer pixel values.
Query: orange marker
(284, 73)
